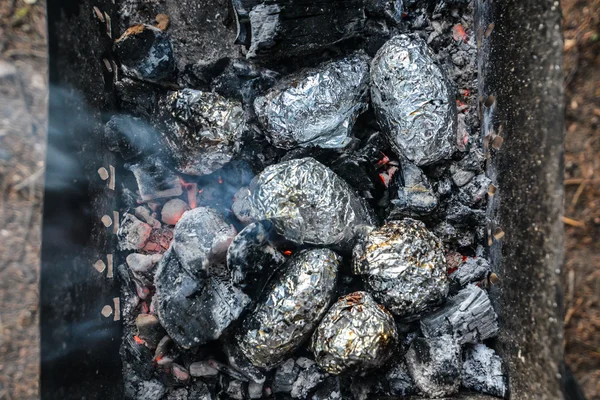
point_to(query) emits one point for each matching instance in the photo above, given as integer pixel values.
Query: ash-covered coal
(413, 100)
(290, 307)
(356, 334)
(133, 234)
(483, 371)
(318, 106)
(435, 365)
(412, 193)
(201, 129)
(468, 317)
(155, 180)
(403, 266)
(146, 53)
(307, 202)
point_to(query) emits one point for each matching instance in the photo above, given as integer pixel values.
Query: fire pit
(249, 199)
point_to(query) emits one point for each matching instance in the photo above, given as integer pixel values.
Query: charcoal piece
(155, 180)
(461, 176)
(255, 390)
(146, 215)
(308, 379)
(452, 235)
(251, 258)
(180, 373)
(413, 101)
(473, 269)
(285, 376)
(435, 365)
(197, 391)
(329, 390)
(365, 388)
(356, 335)
(200, 129)
(444, 187)
(318, 106)
(201, 238)
(482, 371)
(136, 97)
(145, 390)
(412, 194)
(133, 233)
(474, 191)
(468, 317)
(149, 329)
(202, 369)
(130, 136)
(142, 263)
(278, 29)
(391, 10)
(403, 267)
(462, 215)
(290, 307)
(473, 161)
(243, 80)
(146, 53)
(193, 309)
(399, 380)
(307, 202)
(236, 389)
(173, 210)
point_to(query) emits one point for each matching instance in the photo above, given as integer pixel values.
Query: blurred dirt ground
(23, 96)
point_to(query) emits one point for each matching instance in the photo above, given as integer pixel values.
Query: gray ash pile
(303, 211)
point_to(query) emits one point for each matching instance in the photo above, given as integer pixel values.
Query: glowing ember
(191, 188)
(220, 180)
(287, 252)
(384, 160)
(459, 34)
(138, 340)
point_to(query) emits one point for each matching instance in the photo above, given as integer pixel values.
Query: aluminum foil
(316, 107)
(413, 101)
(356, 334)
(403, 266)
(307, 202)
(290, 307)
(201, 130)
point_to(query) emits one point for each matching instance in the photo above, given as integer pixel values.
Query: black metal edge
(79, 347)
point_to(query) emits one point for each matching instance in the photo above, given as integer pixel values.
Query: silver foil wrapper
(413, 101)
(356, 334)
(316, 107)
(290, 307)
(307, 202)
(403, 266)
(203, 131)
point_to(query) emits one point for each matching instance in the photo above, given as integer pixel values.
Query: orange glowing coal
(191, 188)
(287, 253)
(138, 339)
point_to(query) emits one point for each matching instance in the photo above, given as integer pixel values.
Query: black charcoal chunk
(473, 269)
(290, 307)
(329, 389)
(240, 362)
(192, 308)
(201, 129)
(136, 97)
(413, 101)
(281, 29)
(155, 180)
(318, 106)
(468, 317)
(201, 239)
(310, 376)
(389, 9)
(435, 365)
(133, 234)
(403, 267)
(399, 380)
(251, 258)
(285, 376)
(202, 369)
(355, 335)
(461, 176)
(145, 53)
(482, 371)
(242, 205)
(307, 202)
(197, 391)
(454, 236)
(236, 389)
(149, 329)
(147, 390)
(243, 81)
(474, 191)
(411, 193)
(130, 136)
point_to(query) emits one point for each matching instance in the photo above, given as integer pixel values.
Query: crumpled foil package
(356, 333)
(202, 129)
(318, 106)
(307, 202)
(291, 306)
(413, 101)
(403, 266)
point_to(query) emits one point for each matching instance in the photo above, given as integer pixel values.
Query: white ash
(147, 390)
(307, 380)
(173, 210)
(475, 191)
(435, 365)
(201, 238)
(201, 369)
(155, 180)
(264, 23)
(482, 371)
(468, 317)
(145, 214)
(255, 390)
(242, 206)
(142, 263)
(460, 176)
(133, 234)
(235, 389)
